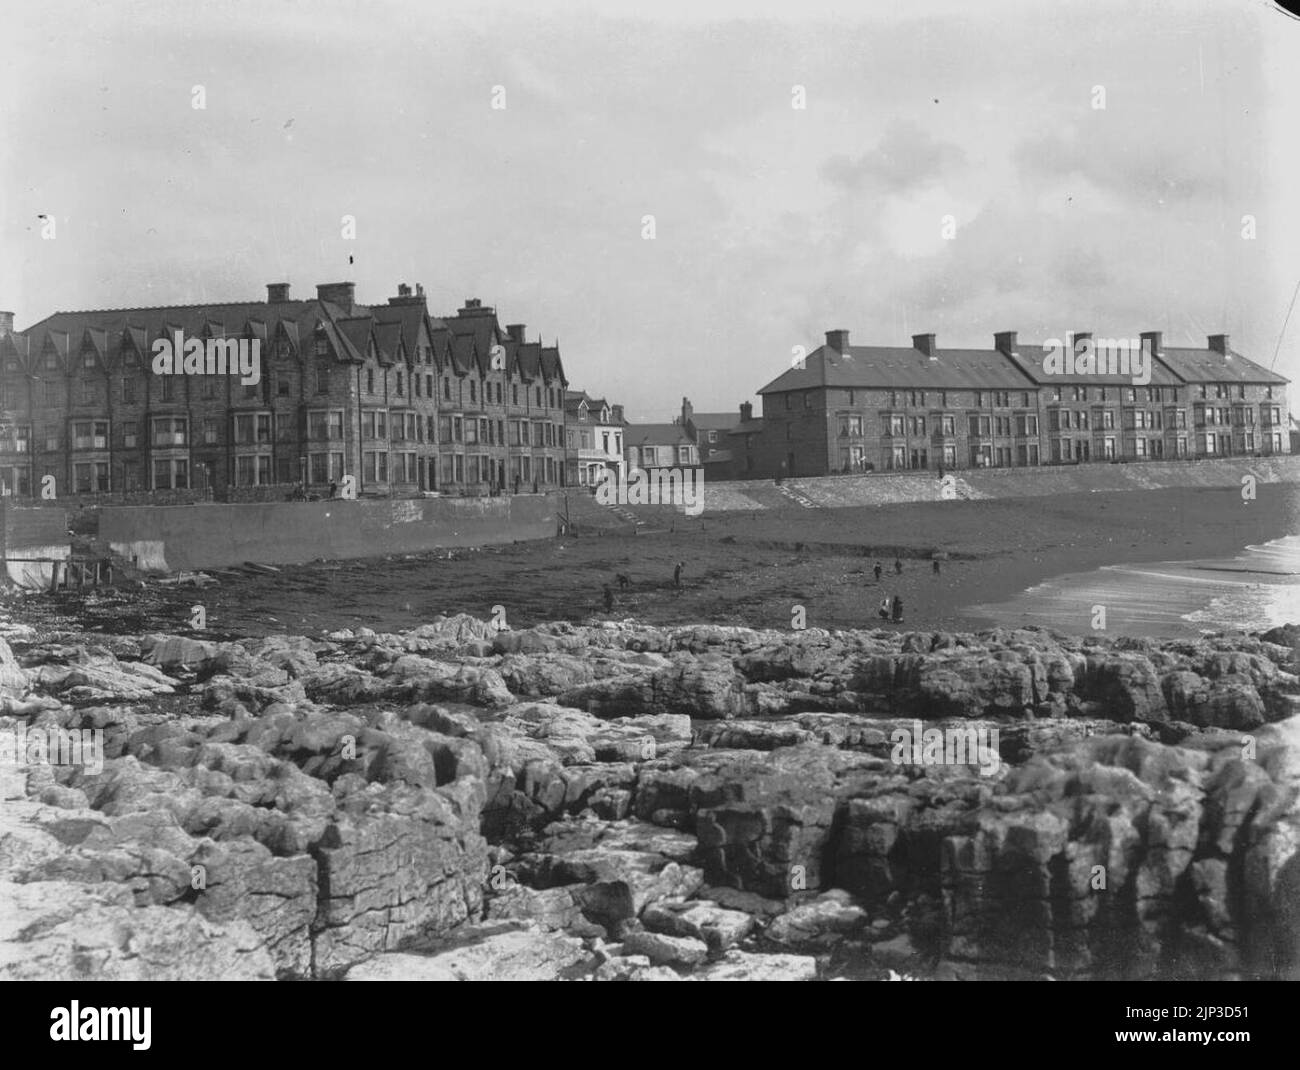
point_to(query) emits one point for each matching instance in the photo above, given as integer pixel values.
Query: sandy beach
(750, 570)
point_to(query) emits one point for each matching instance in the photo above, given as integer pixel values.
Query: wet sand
(741, 569)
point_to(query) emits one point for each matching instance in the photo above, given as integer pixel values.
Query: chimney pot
(1005, 341)
(925, 343)
(746, 411)
(838, 340)
(403, 290)
(277, 292)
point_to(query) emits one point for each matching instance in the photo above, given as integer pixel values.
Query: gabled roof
(1211, 366)
(656, 435)
(899, 367)
(1030, 357)
(552, 369)
(359, 332)
(388, 339)
(715, 421)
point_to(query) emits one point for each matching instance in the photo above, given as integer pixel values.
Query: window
(1026, 425)
(171, 473)
(1024, 399)
(918, 425)
(471, 432)
(446, 389)
(322, 378)
(514, 394)
(399, 384)
(895, 425)
(252, 470)
(948, 425)
(849, 426)
(90, 435)
(170, 430)
(498, 393)
(282, 384)
(168, 389)
(539, 397)
(325, 424)
(473, 391)
(415, 385)
(325, 467)
(375, 466)
(322, 346)
(428, 386)
(807, 399)
(91, 478)
(130, 434)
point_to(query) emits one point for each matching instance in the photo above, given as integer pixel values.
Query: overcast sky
(773, 224)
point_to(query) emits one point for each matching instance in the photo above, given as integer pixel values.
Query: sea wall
(26, 533)
(212, 535)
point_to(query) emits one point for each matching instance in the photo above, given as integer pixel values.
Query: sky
(956, 169)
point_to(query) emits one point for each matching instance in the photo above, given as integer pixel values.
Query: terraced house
(891, 408)
(400, 400)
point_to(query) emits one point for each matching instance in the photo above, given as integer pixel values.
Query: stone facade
(862, 408)
(401, 401)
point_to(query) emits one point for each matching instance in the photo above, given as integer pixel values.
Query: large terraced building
(857, 408)
(400, 400)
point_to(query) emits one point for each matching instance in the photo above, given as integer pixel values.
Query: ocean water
(1257, 589)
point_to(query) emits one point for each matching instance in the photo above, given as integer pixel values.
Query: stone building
(398, 399)
(862, 408)
(594, 430)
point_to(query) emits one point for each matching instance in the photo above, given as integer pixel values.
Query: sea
(1257, 589)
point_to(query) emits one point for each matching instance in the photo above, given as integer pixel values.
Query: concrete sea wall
(212, 535)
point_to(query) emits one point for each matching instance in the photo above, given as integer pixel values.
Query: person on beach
(334, 489)
(883, 611)
(898, 567)
(898, 609)
(877, 570)
(609, 599)
(936, 566)
(677, 576)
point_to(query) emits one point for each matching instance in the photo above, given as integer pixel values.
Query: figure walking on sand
(898, 567)
(936, 566)
(609, 599)
(677, 575)
(877, 570)
(898, 609)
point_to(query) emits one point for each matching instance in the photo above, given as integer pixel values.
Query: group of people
(891, 609)
(624, 582)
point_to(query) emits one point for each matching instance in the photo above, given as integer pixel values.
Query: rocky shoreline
(616, 801)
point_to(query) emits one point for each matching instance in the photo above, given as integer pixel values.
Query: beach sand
(743, 569)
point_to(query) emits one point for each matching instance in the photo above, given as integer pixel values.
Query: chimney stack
(746, 411)
(688, 410)
(277, 293)
(925, 343)
(1151, 342)
(405, 297)
(838, 340)
(6, 323)
(1219, 343)
(337, 293)
(1005, 342)
(1077, 337)
(516, 332)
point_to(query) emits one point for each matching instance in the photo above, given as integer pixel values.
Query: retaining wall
(32, 531)
(176, 537)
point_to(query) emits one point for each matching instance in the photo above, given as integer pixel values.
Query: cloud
(907, 158)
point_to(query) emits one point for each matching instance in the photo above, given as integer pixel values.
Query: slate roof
(902, 367)
(656, 435)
